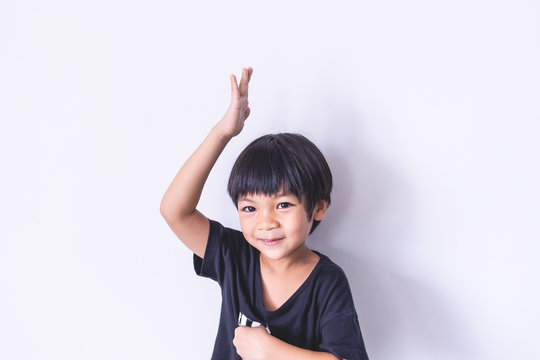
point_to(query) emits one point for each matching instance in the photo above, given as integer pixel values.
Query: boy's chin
(272, 256)
(273, 251)
(277, 252)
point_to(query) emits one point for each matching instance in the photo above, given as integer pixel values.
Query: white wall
(427, 111)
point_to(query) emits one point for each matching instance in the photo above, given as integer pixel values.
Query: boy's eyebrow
(274, 196)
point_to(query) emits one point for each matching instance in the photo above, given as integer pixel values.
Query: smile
(271, 242)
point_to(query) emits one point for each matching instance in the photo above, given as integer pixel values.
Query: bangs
(264, 170)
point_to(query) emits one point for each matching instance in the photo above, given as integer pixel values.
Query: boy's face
(277, 225)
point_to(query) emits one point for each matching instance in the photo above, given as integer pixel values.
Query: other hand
(252, 343)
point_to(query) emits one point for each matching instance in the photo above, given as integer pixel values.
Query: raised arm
(178, 206)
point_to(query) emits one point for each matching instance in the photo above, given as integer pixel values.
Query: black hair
(284, 161)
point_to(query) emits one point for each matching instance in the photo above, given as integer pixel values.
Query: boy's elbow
(165, 210)
(162, 208)
(173, 213)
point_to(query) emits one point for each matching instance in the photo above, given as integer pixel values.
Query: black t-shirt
(319, 316)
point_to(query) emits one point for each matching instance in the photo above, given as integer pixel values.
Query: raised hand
(232, 122)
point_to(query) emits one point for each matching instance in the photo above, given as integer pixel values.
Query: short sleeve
(207, 267)
(342, 337)
(224, 246)
(339, 327)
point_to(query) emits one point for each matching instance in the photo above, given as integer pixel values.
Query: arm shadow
(367, 231)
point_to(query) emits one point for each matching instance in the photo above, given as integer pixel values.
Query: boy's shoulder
(332, 290)
(330, 274)
(329, 266)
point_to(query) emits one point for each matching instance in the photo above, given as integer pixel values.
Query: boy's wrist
(221, 135)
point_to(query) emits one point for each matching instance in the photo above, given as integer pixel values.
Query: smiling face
(282, 161)
(277, 225)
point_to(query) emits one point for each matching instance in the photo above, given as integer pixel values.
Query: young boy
(280, 300)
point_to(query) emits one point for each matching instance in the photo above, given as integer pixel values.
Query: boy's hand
(252, 342)
(255, 343)
(232, 122)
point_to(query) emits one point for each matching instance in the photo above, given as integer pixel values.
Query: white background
(428, 112)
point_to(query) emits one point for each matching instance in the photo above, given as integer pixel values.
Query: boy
(280, 300)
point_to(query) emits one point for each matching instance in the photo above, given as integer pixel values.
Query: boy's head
(282, 162)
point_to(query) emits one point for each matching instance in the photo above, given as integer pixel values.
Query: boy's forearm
(184, 192)
(282, 350)
(182, 196)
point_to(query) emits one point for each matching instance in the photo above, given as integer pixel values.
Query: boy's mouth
(271, 242)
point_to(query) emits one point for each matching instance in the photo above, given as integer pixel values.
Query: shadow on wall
(366, 232)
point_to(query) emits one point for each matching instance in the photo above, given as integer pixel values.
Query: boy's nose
(266, 221)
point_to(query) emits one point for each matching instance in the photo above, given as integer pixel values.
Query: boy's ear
(320, 210)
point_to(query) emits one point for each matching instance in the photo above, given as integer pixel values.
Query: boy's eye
(284, 205)
(248, 209)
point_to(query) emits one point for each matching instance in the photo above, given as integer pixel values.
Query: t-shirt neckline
(290, 300)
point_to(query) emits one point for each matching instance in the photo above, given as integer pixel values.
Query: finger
(244, 81)
(239, 331)
(246, 113)
(234, 86)
(249, 70)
